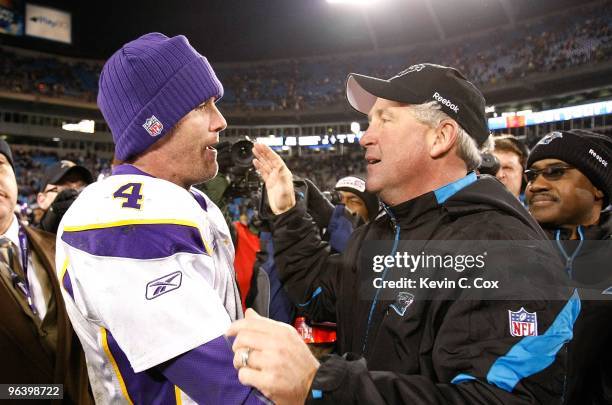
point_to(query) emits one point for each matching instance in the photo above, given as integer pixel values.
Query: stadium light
(270, 140)
(87, 126)
(353, 2)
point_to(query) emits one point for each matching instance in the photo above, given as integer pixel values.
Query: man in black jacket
(569, 188)
(414, 345)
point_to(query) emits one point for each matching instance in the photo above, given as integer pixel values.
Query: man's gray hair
(467, 149)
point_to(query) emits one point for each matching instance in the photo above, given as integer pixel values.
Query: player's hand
(278, 178)
(279, 365)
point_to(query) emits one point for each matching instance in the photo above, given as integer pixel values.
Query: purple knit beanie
(148, 85)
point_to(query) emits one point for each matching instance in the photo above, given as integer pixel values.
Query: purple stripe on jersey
(147, 387)
(138, 241)
(129, 169)
(208, 376)
(67, 283)
(200, 199)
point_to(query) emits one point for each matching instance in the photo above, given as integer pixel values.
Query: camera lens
(490, 164)
(242, 153)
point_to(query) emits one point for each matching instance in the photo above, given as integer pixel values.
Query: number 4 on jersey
(131, 193)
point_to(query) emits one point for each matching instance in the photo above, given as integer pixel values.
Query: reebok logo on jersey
(153, 126)
(164, 285)
(598, 158)
(436, 96)
(523, 323)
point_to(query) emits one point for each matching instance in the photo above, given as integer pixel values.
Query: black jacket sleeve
(305, 265)
(476, 363)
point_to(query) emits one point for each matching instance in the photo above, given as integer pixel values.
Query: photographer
(63, 182)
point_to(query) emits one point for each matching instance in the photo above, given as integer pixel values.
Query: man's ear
(444, 138)
(40, 198)
(599, 195)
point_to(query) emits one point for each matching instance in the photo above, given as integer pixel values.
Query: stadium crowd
(31, 163)
(575, 38)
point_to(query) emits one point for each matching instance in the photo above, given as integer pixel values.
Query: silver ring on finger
(244, 357)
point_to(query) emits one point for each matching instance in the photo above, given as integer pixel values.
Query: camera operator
(63, 182)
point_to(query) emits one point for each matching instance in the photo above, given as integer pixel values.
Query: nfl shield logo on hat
(523, 323)
(153, 126)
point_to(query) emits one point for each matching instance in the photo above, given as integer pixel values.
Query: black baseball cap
(57, 171)
(422, 83)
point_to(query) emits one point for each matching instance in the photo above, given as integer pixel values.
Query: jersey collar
(129, 169)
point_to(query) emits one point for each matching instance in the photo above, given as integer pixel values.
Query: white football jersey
(146, 274)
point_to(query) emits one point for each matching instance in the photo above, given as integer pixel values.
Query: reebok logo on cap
(599, 158)
(436, 96)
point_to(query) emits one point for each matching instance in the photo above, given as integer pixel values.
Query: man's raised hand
(277, 176)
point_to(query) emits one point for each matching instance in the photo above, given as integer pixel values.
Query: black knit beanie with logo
(587, 151)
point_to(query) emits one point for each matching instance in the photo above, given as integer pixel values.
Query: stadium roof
(245, 30)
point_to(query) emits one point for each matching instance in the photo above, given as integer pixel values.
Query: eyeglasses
(552, 173)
